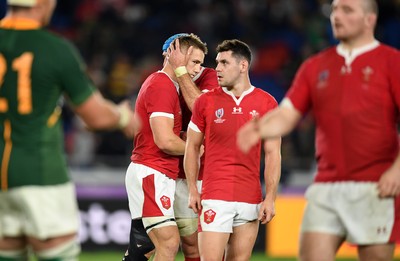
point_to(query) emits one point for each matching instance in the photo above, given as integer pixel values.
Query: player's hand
(267, 211)
(194, 200)
(248, 135)
(175, 57)
(201, 151)
(183, 135)
(134, 123)
(389, 183)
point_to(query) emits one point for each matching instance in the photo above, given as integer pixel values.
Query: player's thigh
(212, 245)
(242, 240)
(165, 237)
(12, 243)
(41, 212)
(379, 252)
(189, 245)
(312, 244)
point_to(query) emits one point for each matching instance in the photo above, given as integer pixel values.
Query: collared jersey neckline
(19, 23)
(238, 100)
(350, 56)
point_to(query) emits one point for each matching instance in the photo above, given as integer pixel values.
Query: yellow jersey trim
(18, 23)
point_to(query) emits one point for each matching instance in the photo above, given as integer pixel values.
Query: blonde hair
(193, 40)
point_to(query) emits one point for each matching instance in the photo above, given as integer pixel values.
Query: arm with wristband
(101, 114)
(178, 61)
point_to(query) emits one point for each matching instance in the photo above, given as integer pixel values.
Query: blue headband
(168, 42)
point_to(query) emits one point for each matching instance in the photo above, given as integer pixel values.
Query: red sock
(192, 258)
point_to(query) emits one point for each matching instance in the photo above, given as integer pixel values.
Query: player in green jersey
(37, 199)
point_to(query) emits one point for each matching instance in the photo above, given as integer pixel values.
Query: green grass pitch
(116, 256)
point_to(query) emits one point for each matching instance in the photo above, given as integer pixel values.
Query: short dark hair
(371, 6)
(192, 40)
(239, 49)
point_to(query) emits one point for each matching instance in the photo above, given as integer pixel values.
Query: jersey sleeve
(208, 80)
(74, 79)
(300, 91)
(394, 69)
(272, 103)
(197, 122)
(161, 98)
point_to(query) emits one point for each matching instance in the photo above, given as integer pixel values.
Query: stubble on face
(226, 69)
(348, 19)
(196, 59)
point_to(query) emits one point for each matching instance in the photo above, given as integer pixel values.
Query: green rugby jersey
(36, 69)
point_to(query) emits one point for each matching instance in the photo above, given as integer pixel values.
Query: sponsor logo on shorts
(209, 216)
(166, 202)
(381, 230)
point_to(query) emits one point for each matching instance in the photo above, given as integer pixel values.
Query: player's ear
(370, 20)
(190, 50)
(244, 65)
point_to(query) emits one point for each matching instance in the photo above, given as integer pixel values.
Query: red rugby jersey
(206, 80)
(157, 96)
(355, 101)
(230, 174)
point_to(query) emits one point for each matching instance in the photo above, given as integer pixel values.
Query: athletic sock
(192, 258)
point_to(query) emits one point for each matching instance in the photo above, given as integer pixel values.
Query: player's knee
(167, 242)
(13, 255)
(187, 226)
(189, 245)
(68, 251)
(139, 243)
(172, 246)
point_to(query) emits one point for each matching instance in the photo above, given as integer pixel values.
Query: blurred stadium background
(120, 40)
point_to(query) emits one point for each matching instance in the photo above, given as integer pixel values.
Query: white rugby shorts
(39, 211)
(182, 199)
(352, 210)
(150, 193)
(222, 216)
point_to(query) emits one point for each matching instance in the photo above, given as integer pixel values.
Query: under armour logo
(345, 69)
(237, 110)
(381, 230)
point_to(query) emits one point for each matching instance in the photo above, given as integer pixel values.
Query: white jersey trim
(162, 114)
(237, 101)
(350, 55)
(194, 127)
(287, 103)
